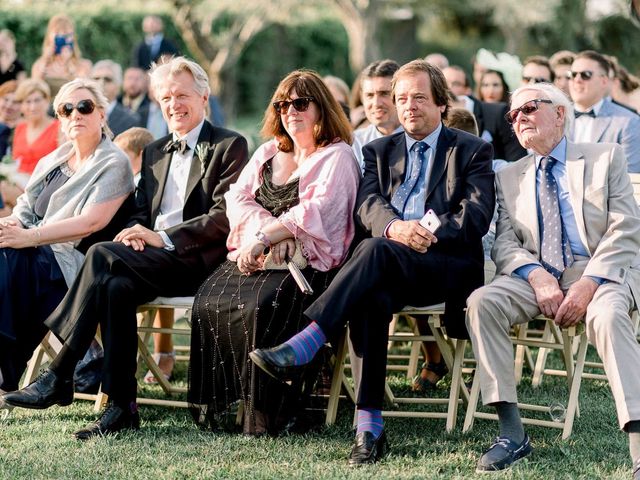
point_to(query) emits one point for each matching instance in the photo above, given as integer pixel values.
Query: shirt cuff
(168, 244)
(598, 280)
(385, 232)
(524, 271)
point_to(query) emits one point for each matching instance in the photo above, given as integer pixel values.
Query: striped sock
(307, 343)
(370, 420)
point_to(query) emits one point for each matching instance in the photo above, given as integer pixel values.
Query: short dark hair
(600, 59)
(439, 88)
(462, 119)
(505, 87)
(380, 68)
(333, 122)
(542, 61)
(561, 57)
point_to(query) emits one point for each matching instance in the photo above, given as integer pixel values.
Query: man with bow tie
(175, 238)
(598, 118)
(567, 243)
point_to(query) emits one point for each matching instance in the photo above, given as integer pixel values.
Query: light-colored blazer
(616, 124)
(606, 214)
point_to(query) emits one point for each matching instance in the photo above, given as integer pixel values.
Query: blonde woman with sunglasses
(73, 192)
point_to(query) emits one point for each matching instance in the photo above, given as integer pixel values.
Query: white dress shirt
(583, 125)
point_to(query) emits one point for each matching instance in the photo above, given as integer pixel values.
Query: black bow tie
(590, 113)
(176, 146)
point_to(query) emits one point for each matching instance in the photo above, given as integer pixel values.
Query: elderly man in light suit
(567, 246)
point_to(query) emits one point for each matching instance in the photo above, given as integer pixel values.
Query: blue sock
(370, 420)
(307, 343)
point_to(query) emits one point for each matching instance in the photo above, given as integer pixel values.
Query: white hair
(160, 72)
(116, 70)
(549, 91)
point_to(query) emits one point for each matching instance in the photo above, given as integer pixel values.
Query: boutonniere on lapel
(203, 153)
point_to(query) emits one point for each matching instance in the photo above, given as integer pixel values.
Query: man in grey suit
(567, 246)
(598, 119)
(109, 74)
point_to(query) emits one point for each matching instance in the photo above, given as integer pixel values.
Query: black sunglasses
(301, 104)
(85, 107)
(528, 108)
(534, 79)
(584, 75)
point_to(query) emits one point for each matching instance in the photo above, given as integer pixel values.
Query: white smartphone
(430, 221)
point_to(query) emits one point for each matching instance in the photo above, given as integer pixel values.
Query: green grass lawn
(39, 444)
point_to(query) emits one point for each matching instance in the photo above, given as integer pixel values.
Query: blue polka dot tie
(400, 197)
(555, 252)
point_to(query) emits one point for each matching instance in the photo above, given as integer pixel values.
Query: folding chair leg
(541, 358)
(456, 385)
(473, 402)
(572, 407)
(336, 381)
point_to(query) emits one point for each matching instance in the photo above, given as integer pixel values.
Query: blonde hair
(175, 65)
(31, 85)
(59, 23)
(94, 89)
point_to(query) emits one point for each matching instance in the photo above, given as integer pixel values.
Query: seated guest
(175, 238)
(295, 197)
(340, 91)
(537, 69)
(61, 59)
(561, 66)
(134, 93)
(109, 74)
(493, 87)
(10, 67)
(9, 115)
(597, 118)
(428, 166)
(133, 142)
(590, 273)
(73, 192)
(34, 137)
(462, 119)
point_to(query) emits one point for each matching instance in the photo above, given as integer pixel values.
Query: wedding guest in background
(493, 87)
(10, 67)
(154, 46)
(9, 115)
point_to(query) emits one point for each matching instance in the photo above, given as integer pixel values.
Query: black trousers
(31, 285)
(112, 282)
(381, 278)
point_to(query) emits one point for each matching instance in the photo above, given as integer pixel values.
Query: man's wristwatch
(263, 239)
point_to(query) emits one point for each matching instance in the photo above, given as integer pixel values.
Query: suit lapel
(575, 177)
(196, 172)
(397, 162)
(527, 198)
(160, 171)
(443, 152)
(601, 123)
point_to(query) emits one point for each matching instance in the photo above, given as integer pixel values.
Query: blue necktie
(400, 197)
(555, 252)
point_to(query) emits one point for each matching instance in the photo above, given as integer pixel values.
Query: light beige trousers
(507, 301)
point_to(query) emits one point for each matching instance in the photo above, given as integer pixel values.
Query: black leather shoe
(46, 390)
(503, 453)
(277, 362)
(367, 449)
(112, 420)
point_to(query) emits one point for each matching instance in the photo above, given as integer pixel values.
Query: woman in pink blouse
(295, 199)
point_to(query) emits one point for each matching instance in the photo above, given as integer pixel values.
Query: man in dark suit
(154, 44)
(109, 75)
(134, 95)
(428, 166)
(174, 239)
(492, 125)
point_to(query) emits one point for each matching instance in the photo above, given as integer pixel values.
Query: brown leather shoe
(367, 449)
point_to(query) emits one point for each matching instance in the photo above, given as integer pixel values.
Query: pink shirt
(322, 221)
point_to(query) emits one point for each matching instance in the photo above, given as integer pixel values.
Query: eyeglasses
(103, 79)
(85, 107)
(534, 80)
(584, 75)
(528, 108)
(301, 104)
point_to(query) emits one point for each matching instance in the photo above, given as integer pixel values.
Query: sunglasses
(528, 108)
(85, 107)
(301, 104)
(534, 79)
(584, 75)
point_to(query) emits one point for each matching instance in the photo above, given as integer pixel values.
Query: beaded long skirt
(232, 315)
